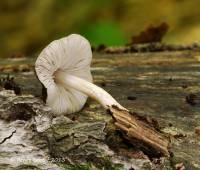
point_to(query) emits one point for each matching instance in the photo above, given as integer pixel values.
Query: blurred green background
(27, 26)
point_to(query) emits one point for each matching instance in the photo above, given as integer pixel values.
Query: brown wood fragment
(140, 132)
(151, 34)
(180, 166)
(197, 130)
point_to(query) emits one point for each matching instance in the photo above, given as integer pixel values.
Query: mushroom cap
(72, 55)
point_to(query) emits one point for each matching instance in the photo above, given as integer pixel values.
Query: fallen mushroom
(64, 69)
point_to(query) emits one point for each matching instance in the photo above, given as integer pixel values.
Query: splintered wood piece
(140, 133)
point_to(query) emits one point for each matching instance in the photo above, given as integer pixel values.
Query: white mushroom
(64, 69)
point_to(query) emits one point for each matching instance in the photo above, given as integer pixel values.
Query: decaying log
(140, 133)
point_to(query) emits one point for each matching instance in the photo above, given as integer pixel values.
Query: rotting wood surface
(154, 84)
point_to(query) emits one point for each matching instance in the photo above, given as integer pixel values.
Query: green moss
(77, 167)
(80, 167)
(107, 166)
(30, 167)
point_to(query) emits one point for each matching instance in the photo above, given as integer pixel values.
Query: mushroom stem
(90, 89)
